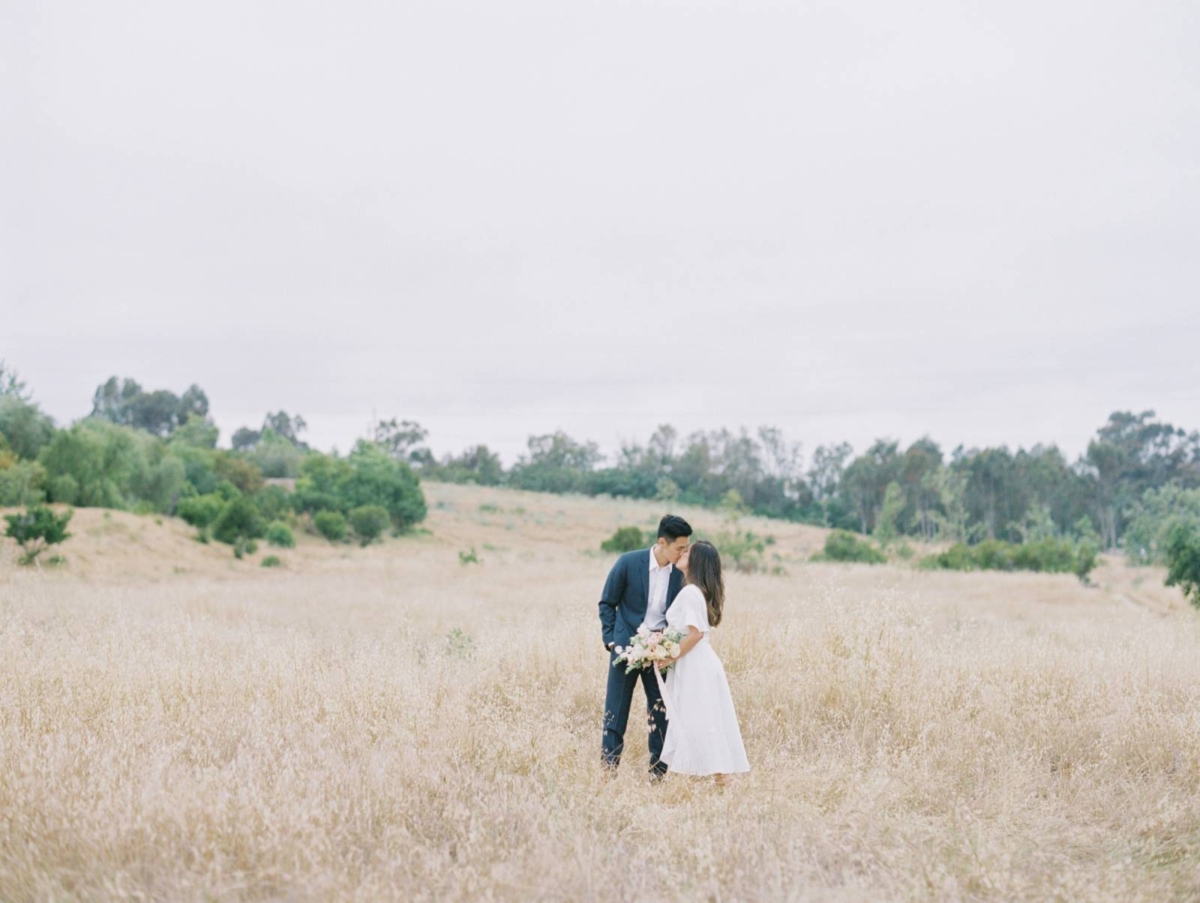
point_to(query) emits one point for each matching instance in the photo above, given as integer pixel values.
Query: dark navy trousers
(617, 701)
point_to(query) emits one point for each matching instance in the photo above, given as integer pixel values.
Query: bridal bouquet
(649, 646)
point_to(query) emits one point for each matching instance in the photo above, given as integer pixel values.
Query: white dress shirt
(656, 603)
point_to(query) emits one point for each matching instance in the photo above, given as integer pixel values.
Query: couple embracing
(674, 586)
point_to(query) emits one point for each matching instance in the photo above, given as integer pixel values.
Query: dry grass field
(391, 724)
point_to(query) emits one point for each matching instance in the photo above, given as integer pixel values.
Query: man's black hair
(673, 527)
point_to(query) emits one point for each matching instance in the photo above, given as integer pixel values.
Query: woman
(702, 729)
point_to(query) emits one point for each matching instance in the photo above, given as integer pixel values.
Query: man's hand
(608, 647)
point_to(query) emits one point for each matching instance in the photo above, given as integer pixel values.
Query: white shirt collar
(654, 565)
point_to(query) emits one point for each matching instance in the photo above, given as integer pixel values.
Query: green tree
(125, 403)
(237, 523)
(91, 464)
(378, 479)
(478, 464)
(918, 467)
(280, 535)
(1152, 518)
(200, 510)
(197, 431)
(331, 524)
(626, 539)
(555, 463)
(887, 528)
(11, 385)
(842, 545)
(23, 426)
(1183, 560)
(402, 440)
(37, 528)
(369, 522)
(866, 480)
(21, 482)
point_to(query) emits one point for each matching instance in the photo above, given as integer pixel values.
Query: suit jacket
(626, 595)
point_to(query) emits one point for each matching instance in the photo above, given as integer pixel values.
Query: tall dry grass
(314, 734)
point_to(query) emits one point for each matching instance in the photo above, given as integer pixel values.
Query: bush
(92, 463)
(1051, 555)
(331, 525)
(842, 545)
(378, 479)
(237, 522)
(280, 535)
(272, 561)
(200, 510)
(1183, 561)
(272, 502)
(37, 528)
(21, 482)
(740, 549)
(459, 644)
(1153, 518)
(626, 539)
(369, 522)
(26, 430)
(468, 557)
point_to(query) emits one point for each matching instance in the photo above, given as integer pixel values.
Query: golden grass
(178, 725)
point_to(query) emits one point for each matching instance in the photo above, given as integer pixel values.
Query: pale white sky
(975, 220)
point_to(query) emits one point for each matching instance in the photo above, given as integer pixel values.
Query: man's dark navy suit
(623, 605)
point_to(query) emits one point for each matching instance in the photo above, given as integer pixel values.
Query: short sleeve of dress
(695, 609)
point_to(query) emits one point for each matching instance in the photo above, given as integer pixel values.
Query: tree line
(149, 449)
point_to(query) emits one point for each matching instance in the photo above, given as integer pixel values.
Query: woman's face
(682, 563)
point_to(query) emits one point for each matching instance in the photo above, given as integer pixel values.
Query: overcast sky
(979, 221)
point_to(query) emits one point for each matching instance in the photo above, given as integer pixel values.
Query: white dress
(702, 728)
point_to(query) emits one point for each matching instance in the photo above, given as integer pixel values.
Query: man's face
(672, 550)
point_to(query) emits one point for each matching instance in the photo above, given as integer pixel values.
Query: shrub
(459, 644)
(369, 522)
(1050, 555)
(238, 520)
(272, 502)
(378, 479)
(842, 545)
(37, 528)
(626, 539)
(468, 557)
(280, 535)
(1153, 518)
(272, 561)
(200, 511)
(92, 463)
(331, 525)
(1183, 561)
(21, 482)
(743, 549)
(26, 430)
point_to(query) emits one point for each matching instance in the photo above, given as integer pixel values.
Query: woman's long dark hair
(704, 571)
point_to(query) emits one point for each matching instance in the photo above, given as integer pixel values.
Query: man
(640, 588)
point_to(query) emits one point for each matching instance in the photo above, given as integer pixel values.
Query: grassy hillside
(389, 723)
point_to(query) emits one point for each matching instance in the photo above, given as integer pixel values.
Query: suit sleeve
(614, 589)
